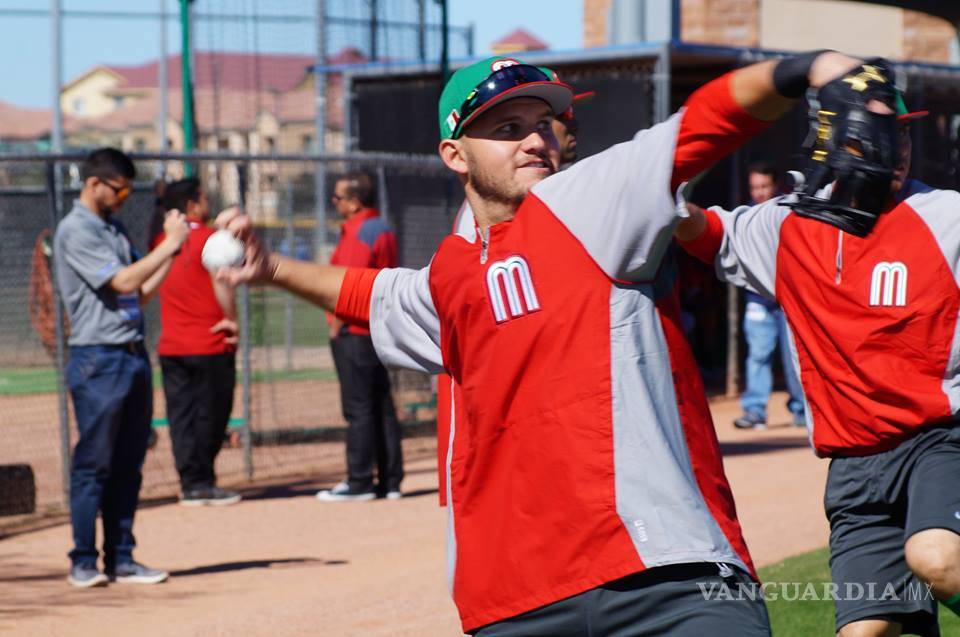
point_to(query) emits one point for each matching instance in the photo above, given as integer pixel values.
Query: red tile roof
(226, 110)
(235, 105)
(520, 40)
(24, 123)
(227, 70)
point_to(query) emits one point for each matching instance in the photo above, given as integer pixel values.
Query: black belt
(669, 573)
(133, 347)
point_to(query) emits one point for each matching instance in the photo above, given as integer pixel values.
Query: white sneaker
(344, 493)
(136, 573)
(83, 576)
(393, 495)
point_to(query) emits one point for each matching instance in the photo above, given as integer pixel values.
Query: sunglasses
(120, 191)
(497, 83)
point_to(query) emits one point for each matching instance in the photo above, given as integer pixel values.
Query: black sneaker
(343, 492)
(210, 497)
(86, 576)
(389, 493)
(136, 573)
(750, 421)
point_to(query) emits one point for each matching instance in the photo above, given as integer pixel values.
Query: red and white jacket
(581, 447)
(874, 320)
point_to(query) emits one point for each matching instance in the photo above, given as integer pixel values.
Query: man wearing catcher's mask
(865, 264)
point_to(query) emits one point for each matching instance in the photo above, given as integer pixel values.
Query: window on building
(223, 143)
(139, 144)
(78, 105)
(307, 143)
(117, 101)
(270, 144)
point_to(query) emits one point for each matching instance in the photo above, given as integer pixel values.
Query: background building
(856, 27)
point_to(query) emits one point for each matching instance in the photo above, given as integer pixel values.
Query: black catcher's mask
(851, 146)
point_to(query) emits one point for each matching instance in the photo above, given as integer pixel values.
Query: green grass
(43, 380)
(268, 320)
(814, 617)
(267, 327)
(31, 380)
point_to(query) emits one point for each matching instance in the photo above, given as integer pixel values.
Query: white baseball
(222, 250)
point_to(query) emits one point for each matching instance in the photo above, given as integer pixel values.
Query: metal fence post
(384, 194)
(53, 191)
(245, 346)
(733, 339)
(288, 298)
(320, 125)
(733, 297)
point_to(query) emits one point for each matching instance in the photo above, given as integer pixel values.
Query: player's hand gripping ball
(222, 250)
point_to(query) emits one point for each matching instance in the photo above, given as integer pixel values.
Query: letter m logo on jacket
(511, 290)
(888, 285)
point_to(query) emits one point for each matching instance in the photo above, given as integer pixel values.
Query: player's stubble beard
(492, 189)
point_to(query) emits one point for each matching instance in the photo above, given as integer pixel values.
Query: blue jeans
(763, 330)
(113, 402)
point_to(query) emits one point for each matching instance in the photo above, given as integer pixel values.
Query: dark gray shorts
(874, 504)
(684, 600)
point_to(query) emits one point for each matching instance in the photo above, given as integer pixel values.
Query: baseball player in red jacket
(874, 324)
(585, 489)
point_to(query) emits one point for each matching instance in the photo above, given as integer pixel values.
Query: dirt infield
(282, 564)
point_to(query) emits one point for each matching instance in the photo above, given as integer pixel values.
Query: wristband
(791, 76)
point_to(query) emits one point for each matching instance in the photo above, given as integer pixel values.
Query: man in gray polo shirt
(103, 282)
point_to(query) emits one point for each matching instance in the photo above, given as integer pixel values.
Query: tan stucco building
(860, 28)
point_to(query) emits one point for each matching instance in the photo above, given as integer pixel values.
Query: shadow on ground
(762, 446)
(226, 567)
(308, 487)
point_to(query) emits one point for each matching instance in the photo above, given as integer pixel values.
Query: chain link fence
(286, 419)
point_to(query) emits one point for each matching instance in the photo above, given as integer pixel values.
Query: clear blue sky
(25, 41)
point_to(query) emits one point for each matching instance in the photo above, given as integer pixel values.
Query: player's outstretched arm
(319, 284)
(724, 113)
(395, 302)
(767, 90)
(692, 226)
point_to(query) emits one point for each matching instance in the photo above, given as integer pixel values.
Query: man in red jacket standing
(197, 353)
(366, 241)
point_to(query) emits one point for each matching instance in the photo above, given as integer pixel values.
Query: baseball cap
(476, 88)
(903, 115)
(578, 98)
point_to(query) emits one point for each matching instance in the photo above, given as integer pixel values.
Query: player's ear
(452, 153)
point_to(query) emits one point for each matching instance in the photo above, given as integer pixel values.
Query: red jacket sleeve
(713, 126)
(353, 303)
(707, 245)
